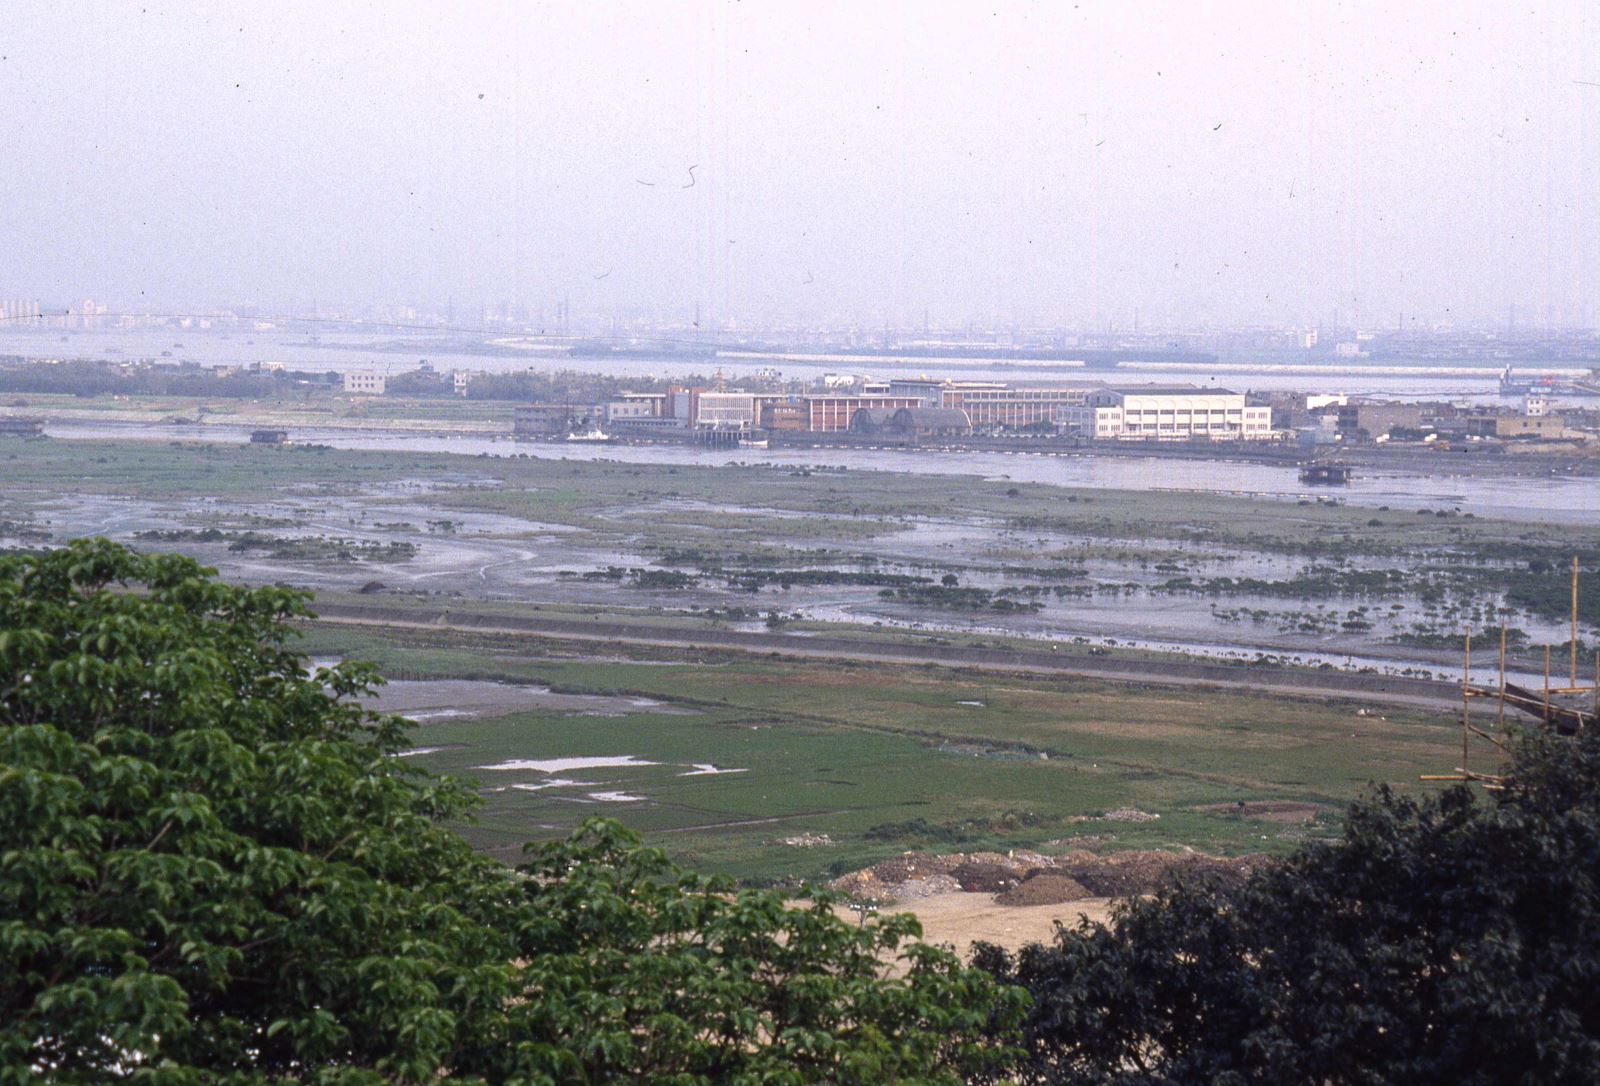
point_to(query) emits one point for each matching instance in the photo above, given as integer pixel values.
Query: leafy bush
(1453, 939)
(213, 869)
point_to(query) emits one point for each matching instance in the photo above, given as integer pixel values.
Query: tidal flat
(783, 547)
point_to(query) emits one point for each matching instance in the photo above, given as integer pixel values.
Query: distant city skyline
(816, 166)
(554, 321)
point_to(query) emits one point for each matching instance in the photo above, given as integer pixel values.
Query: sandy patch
(959, 919)
(561, 765)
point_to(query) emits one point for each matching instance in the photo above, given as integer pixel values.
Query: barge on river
(1325, 474)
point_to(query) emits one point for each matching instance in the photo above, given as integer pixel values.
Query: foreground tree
(213, 869)
(1454, 939)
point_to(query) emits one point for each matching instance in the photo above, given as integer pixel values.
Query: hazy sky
(1015, 163)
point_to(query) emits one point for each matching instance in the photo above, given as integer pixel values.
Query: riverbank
(454, 420)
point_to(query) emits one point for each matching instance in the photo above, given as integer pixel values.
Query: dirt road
(1293, 682)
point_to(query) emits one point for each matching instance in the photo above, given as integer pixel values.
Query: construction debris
(1031, 878)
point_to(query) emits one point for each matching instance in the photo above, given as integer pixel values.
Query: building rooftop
(932, 417)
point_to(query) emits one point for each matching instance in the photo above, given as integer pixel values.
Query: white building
(725, 409)
(460, 379)
(1169, 413)
(365, 383)
(630, 409)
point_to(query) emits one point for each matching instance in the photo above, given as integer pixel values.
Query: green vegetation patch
(881, 760)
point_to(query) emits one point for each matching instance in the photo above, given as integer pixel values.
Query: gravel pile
(1031, 878)
(1128, 814)
(1044, 888)
(928, 887)
(986, 878)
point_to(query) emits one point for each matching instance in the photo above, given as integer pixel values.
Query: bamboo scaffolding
(1564, 717)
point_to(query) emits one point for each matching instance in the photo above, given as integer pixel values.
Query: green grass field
(883, 760)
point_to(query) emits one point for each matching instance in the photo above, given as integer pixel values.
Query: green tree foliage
(1455, 939)
(213, 869)
(560, 386)
(94, 377)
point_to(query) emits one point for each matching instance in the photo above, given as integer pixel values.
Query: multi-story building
(787, 415)
(549, 419)
(832, 414)
(618, 410)
(1169, 413)
(365, 383)
(993, 404)
(724, 410)
(997, 406)
(655, 403)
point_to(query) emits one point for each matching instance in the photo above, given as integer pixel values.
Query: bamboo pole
(1502, 721)
(1485, 735)
(1574, 642)
(1547, 685)
(1466, 697)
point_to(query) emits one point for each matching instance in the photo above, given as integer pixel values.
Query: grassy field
(883, 760)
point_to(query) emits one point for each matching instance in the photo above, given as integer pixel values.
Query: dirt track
(1307, 683)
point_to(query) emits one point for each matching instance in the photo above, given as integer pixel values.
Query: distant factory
(922, 408)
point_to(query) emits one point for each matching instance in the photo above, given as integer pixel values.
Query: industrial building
(912, 422)
(1540, 427)
(1364, 421)
(1000, 407)
(1169, 413)
(787, 415)
(546, 419)
(994, 405)
(832, 414)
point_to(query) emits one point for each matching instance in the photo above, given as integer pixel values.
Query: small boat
(1325, 474)
(753, 443)
(593, 435)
